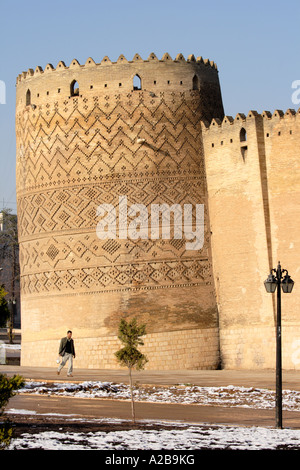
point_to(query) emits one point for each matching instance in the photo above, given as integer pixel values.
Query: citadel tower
(86, 135)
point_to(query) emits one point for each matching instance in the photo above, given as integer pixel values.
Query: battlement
(97, 81)
(269, 118)
(137, 60)
(243, 132)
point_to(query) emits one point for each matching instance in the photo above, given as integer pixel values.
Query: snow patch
(230, 396)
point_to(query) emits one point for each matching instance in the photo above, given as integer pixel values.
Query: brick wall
(165, 351)
(77, 151)
(253, 187)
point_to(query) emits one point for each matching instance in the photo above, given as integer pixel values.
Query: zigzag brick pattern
(75, 152)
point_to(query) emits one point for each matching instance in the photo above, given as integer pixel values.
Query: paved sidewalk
(205, 378)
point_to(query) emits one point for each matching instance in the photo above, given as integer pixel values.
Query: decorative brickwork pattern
(79, 149)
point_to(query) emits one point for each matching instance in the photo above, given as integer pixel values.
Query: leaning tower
(88, 135)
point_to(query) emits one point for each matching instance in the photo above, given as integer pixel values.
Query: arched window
(137, 82)
(28, 98)
(244, 148)
(243, 135)
(196, 84)
(74, 88)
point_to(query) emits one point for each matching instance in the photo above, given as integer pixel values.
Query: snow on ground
(230, 396)
(190, 437)
(171, 436)
(16, 347)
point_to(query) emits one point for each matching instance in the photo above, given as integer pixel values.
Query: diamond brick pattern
(74, 156)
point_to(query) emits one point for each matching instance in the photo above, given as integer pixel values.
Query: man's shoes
(58, 372)
(69, 375)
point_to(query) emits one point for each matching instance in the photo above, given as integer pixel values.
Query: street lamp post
(287, 284)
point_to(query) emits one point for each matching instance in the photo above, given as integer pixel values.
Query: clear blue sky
(254, 43)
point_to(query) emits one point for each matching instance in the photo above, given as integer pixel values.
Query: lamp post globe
(287, 284)
(270, 284)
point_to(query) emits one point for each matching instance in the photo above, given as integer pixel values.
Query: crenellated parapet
(90, 80)
(229, 130)
(84, 85)
(155, 76)
(137, 60)
(276, 116)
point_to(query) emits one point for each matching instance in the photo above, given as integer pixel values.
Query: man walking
(67, 351)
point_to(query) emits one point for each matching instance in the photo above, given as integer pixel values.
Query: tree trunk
(12, 312)
(131, 392)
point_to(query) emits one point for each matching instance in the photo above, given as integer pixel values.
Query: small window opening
(243, 135)
(28, 98)
(91, 87)
(195, 83)
(244, 151)
(154, 82)
(74, 88)
(137, 82)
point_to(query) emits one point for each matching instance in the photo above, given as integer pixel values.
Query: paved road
(101, 408)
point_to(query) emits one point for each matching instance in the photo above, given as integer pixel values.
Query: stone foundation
(188, 349)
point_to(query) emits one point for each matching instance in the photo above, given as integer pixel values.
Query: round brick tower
(88, 135)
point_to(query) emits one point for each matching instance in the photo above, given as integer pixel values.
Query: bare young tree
(130, 335)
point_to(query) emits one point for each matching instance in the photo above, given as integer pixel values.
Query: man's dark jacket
(63, 344)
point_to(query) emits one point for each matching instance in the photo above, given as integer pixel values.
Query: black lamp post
(287, 284)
